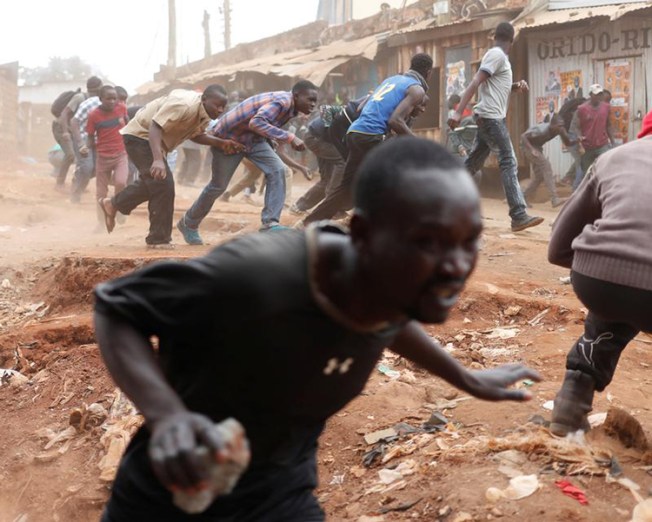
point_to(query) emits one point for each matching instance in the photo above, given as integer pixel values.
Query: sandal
(109, 220)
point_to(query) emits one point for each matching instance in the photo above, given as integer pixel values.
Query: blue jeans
(493, 136)
(84, 171)
(263, 156)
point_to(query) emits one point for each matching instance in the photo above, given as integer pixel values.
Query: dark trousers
(617, 313)
(341, 198)
(159, 193)
(331, 168)
(68, 148)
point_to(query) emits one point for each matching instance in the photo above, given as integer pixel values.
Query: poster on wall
(553, 84)
(545, 107)
(617, 78)
(571, 85)
(455, 78)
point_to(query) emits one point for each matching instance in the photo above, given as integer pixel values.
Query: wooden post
(172, 35)
(207, 34)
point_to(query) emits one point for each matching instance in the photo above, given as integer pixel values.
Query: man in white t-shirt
(493, 83)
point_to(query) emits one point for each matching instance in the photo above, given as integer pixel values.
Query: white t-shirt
(494, 93)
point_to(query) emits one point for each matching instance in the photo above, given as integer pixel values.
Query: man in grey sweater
(603, 234)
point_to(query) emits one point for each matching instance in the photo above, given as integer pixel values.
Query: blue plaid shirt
(81, 116)
(258, 118)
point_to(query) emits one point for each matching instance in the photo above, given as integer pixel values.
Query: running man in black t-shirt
(282, 330)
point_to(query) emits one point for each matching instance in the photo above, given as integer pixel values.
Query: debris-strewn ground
(410, 448)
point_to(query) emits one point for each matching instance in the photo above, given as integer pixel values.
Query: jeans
(341, 198)
(617, 313)
(159, 193)
(263, 156)
(66, 144)
(493, 136)
(541, 172)
(590, 155)
(84, 171)
(575, 170)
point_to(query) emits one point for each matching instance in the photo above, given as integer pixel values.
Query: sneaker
(526, 222)
(272, 226)
(296, 211)
(190, 235)
(161, 246)
(573, 403)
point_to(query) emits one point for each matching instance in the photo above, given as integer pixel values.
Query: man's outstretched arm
(132, 362)
(415, 344)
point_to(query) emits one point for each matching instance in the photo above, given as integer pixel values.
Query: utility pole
(207, 34)
(227, 24)
(172, 35)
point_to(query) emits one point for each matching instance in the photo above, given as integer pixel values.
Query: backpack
(60, 103)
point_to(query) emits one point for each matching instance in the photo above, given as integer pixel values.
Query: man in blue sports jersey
(388, 109)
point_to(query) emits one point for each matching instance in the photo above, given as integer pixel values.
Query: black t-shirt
(244, 333)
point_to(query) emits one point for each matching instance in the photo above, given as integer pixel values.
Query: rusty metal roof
(544, 17)
(311, 64)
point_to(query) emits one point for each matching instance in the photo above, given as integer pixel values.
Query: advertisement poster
(617, 77)
(455, 78)
(545, 107)
(553, 84)
(571, 85)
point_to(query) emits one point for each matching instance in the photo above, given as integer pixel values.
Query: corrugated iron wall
(590, 45)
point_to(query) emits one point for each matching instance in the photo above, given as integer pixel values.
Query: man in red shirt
(591, 124)
(104, 124)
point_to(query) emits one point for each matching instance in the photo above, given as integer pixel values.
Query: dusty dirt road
(64, 427)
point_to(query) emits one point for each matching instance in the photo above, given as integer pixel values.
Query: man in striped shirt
(253, 123)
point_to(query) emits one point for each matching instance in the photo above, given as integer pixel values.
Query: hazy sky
(127, 39)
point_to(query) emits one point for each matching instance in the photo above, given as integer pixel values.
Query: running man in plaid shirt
(254, 123)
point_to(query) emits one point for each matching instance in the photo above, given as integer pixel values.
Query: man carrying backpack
(63, 109)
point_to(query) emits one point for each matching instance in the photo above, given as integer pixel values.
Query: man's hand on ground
(493, 385)
(158, 170)
(172, 450)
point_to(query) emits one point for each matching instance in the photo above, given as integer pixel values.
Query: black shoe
(573, 403)
(526, 222)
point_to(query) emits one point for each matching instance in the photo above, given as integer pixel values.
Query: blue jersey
(382, 103)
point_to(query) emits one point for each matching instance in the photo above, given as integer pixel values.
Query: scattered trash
(449, 347)
(337, 480)
(521, 486)
(387, 476)
(377, 436)
(357, 471)
(492, 353)
(503, 333)
(492, 289)
(6, 283)
(510, 457)
(548, 405)
(407, 376)
(528, 382)
(437, 421)
(539, 421)
(535, 320)
(12, 377)
(565, 280)
(507, 236)
(621, 425)
(511, 311)
(365, 518)
(444, 512)
(400, 507)
(643, 511)
(597, 419)
(572, 491)
(387, 371)
(88, 416)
